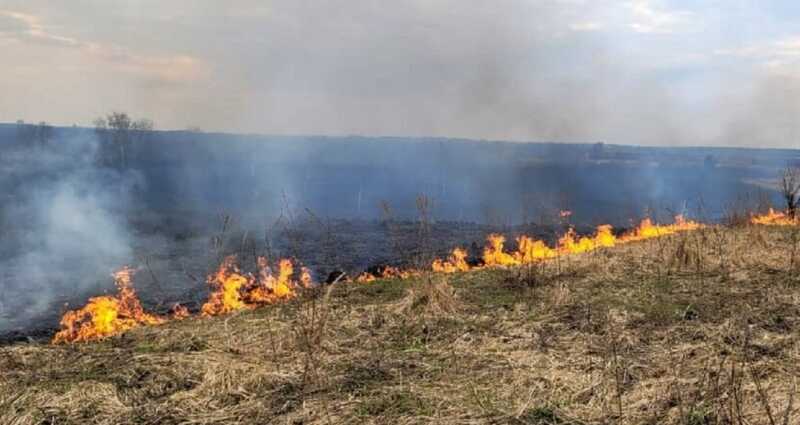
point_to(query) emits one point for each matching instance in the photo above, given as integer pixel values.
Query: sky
(647, 72)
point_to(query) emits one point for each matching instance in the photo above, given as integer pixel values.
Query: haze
(634, 72)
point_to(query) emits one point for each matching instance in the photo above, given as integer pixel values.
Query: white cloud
(781, 56)
(29, 29)
(520, 69)
(587, 26)
(652, 18)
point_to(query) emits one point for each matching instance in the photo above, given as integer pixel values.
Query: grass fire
(407, 212)
(233, 290)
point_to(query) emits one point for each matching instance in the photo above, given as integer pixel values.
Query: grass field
(695, 328)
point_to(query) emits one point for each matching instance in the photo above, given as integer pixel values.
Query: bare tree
(29, 135)
(44, 132)
(117, 131)
(790, 186)
(25, 133)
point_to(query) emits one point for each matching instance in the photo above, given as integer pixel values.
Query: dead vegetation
(696, 328)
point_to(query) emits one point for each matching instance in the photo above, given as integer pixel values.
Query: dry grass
(700, 328)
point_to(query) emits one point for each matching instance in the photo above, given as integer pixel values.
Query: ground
(696, 328)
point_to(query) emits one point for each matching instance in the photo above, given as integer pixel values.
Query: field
(695, 328)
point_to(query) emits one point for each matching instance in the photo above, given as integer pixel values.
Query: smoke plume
(64, 234)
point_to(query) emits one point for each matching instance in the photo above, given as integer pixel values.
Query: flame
(774, 218)
(305, 277)
(365, 278)
(530, 250)
(104, 316)
(564, 213)
(233, 290)
(456, 262)
(603, 238)
(388, 272)
(179, 312)
(648, 230)
(270, 289)
(228, 284)
(493, 254)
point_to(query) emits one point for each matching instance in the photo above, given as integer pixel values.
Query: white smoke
(62, 233)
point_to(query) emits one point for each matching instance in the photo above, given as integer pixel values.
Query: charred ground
(181, 200)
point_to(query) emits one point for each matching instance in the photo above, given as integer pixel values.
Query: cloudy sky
(652, 72)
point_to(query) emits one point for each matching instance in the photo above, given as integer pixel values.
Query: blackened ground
(172, 262)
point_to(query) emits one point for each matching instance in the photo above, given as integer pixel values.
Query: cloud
(24, 27)
(776, 57)
(586, 26)
(653, 18)
(27, 29)
(565, 70)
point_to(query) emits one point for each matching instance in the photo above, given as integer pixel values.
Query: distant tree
(143, 124)
(117, 131)
(141, 129)
(790, 186)
(23, 133)
(43, 133)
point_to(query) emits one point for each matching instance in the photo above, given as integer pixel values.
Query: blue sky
(634, 71)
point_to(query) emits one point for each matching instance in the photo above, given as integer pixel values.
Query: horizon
(635, 72)
(421, 138)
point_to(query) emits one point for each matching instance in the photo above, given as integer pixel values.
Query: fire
(493, 254)
(570, 243)
(647, 229)
(105, 316)
(228, 284)
(365, 278)
(306, 281)
(388, 272)
(456, 262)
(234, 290)
(530, 250)
(774, 218)
(179, 312)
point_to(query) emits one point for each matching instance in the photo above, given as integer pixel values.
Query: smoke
(644, 72)
(766, 113)
(63, 232)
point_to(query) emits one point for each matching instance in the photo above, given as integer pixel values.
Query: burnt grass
(173, 257)
(696, 328)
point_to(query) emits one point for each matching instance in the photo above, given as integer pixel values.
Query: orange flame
(493, 254)
(456, 262)
(179, 312)
(388, 272)
(105, 316)
(530, 250)
(365, 278)
(228, 284)
(647, 229)
(233, 290)
(774, 218)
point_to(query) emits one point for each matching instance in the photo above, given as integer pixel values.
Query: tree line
(116, 132)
